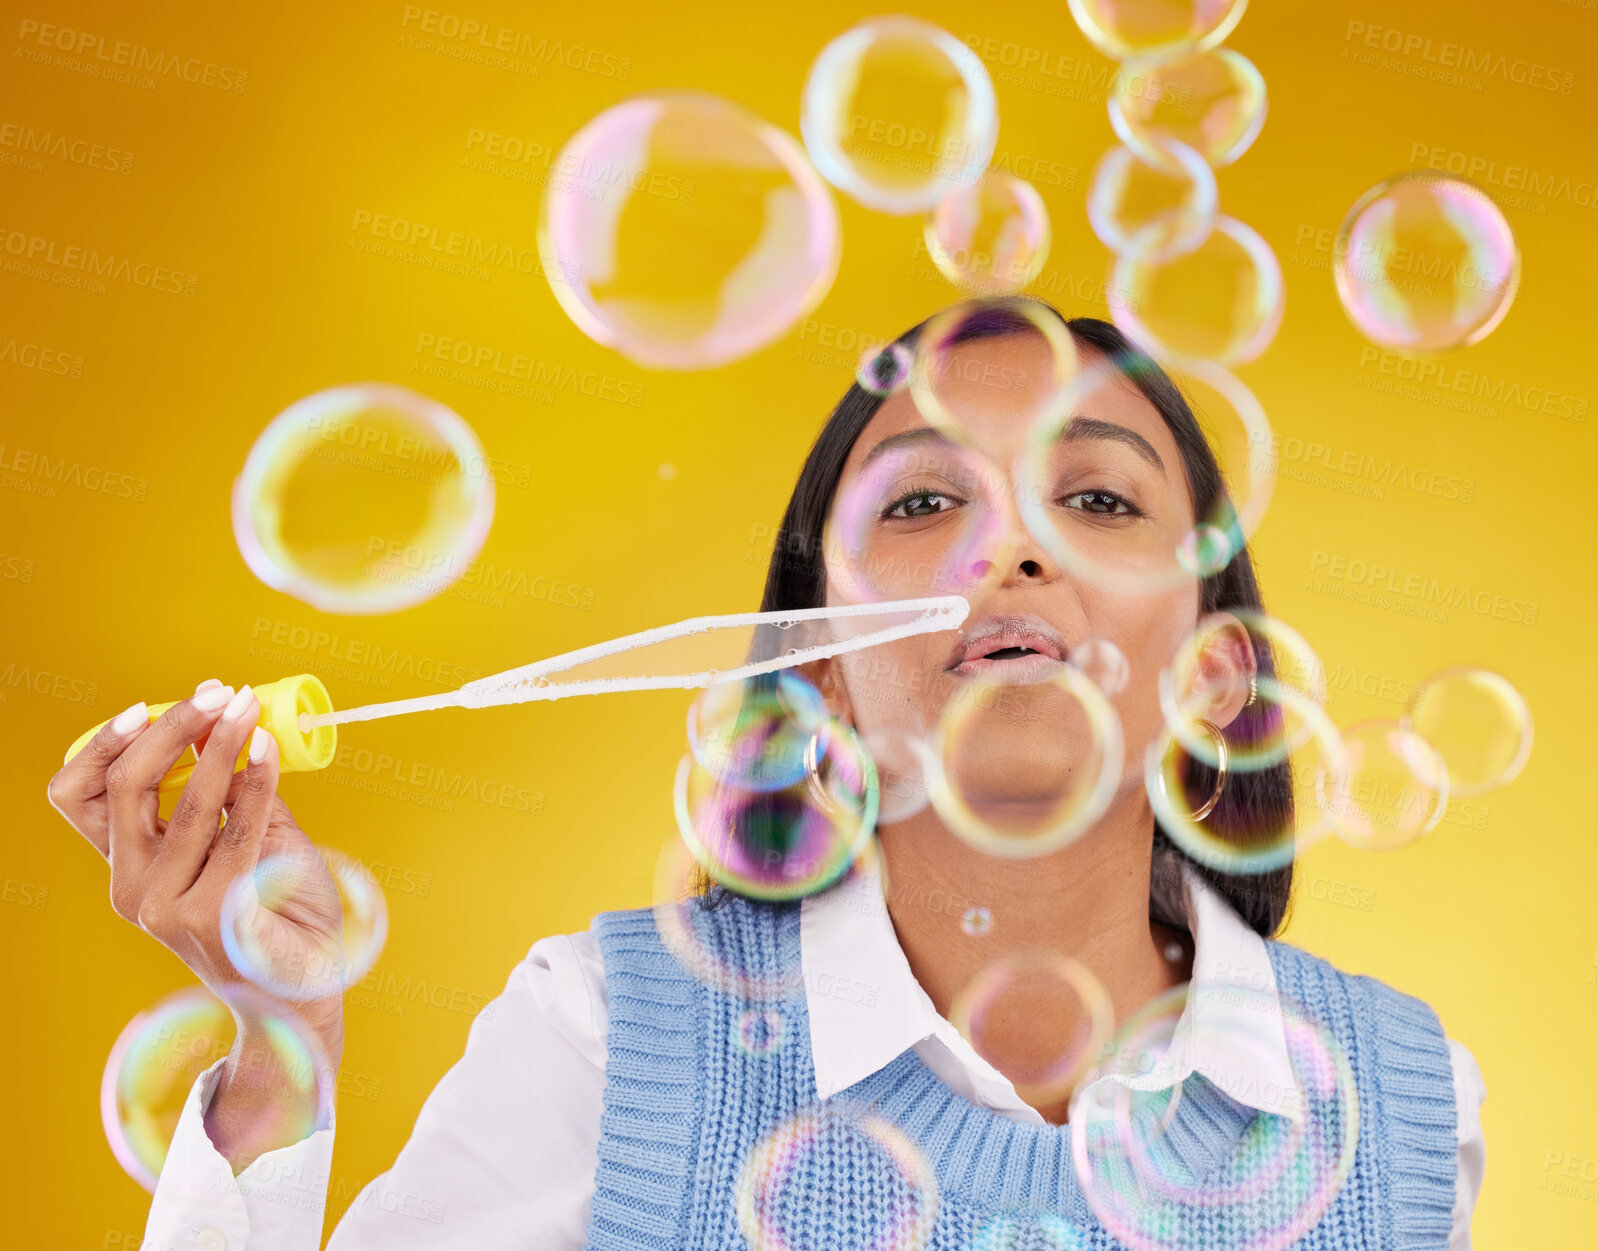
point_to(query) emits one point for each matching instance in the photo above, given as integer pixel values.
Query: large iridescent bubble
(1132, 193)
(1213, 101)
(1426, 263)
(162, 1050)
(1145, 1130)
(898, 113)
(367, 498)
(1477, 722)
(685, 232)
(1220, 300)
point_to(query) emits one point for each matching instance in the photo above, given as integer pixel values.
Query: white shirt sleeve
(503, 1153)
(1470, 1091)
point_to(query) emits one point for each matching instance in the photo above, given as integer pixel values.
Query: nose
(1026, 561)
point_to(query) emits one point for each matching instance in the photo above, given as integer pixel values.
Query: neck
(1087, 901)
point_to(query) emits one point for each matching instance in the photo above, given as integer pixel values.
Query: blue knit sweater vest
(685, 1103)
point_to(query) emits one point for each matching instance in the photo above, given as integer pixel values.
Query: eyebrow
(1077, 429)
(1090, 428)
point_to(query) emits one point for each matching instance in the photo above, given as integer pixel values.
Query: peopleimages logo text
(1423, 588)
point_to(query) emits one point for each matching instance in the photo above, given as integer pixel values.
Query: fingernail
(212, 698)
(207, 683)
(237, 705)
(258, 738)
(131, 719)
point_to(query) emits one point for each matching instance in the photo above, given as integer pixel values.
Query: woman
(531, 1141)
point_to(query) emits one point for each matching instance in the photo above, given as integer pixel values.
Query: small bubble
(977, 921)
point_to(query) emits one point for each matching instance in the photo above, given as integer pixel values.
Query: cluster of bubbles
(1377, 784)
(159, 1054)
(1134, 1096)
(1191, 285)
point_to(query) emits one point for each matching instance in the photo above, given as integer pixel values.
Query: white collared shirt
(504, 1151)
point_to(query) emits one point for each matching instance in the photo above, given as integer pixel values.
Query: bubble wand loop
(531, 683)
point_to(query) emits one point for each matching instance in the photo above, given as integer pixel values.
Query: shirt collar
(866, 1007)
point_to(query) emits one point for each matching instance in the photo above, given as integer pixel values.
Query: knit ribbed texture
(685, 1104)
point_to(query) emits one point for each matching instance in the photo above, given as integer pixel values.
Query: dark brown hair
(796, 578)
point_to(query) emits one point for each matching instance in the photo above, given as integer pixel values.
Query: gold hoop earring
(1214, 731)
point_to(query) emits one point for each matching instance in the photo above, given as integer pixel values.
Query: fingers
(181, 852)
(130, 786)
(82, 778)
(238, 844)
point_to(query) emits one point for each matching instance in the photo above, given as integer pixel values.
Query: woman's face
(915, 515)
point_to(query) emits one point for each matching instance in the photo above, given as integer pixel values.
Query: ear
(1223, 670)
(827, 677)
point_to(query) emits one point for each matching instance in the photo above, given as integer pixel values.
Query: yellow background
(254, 192)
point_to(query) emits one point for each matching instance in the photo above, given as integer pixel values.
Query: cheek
(1148, 631)
(891, 686)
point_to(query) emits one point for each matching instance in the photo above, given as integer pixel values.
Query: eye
(1104, 503)
(921, 504)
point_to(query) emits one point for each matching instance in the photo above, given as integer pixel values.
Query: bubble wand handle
(285, 704)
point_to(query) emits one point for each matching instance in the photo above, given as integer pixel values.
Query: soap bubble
(1104, 663)
(976, 921)
(1220, 301)
(1477, 722)
(365, 911)
(681, 922)
(283, 957)
(1170, 1160)
(1213, 101)
(1425, 263)
(1395, 788)
(689, 232)
(1049, 990)
(1204, 550)
(754, 734)
(817, 1160)
(159, 1054)
(363, 499)
(1123, 29)
(884, 370)
(895, 531)
(986, 370)
(900, 757)
(1267, 728)
(897, 112)
(1145, 559)
(789, 842)
(991, 236)
(1245, 838)
(1021, 770)
(1132, 194)
(759, 1032)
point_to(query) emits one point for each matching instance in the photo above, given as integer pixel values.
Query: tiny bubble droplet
(977, 921)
